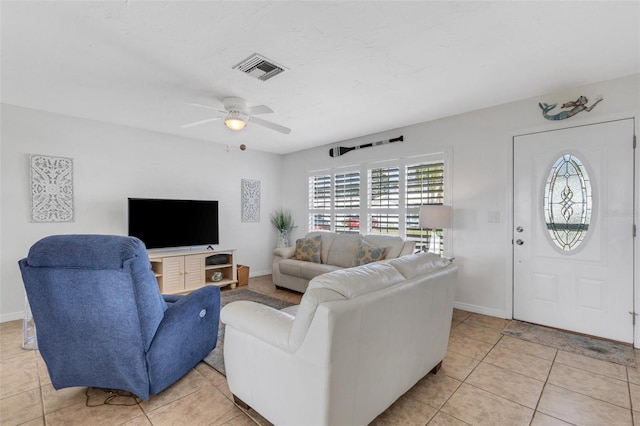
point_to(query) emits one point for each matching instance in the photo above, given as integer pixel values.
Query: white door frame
(634, 115)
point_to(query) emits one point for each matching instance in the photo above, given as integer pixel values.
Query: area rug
(619, 353)
(215, 358)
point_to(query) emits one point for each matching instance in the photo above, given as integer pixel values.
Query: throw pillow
(308, 249)
(368, 253)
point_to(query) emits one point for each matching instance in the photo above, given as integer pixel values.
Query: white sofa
(337, 252)
(360, 338)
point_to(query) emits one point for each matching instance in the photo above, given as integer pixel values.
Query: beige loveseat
(360, 338)
(337, 251)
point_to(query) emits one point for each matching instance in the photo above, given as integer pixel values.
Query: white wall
(479, 144)
(112, 163)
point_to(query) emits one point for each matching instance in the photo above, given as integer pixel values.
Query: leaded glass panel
(568, 202)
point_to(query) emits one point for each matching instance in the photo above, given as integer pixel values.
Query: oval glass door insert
(568, 202)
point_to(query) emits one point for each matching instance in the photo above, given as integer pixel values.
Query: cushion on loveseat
(327, 239)
(367, 253)
(304, 269)
(392, 244)
(308, 249)
(343, 250)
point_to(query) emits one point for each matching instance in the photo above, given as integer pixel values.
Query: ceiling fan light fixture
(234, 121)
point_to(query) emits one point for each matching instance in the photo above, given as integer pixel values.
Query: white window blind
(424, 185)
(386, 202)
(347, 190)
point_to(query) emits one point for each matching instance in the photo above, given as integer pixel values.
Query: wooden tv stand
(182, 271)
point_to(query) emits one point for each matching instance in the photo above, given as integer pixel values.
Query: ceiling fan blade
(270, 125)
(197, 123)
(258, 109)
(208, 107)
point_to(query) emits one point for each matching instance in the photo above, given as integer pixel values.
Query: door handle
(519, 242)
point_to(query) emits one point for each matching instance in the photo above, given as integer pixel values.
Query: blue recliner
(102, 322)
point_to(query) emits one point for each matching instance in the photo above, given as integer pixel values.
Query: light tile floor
(486, 379)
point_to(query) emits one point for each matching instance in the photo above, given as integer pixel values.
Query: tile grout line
(630, 399)
(466, 377)
(546, 380)
(535, 409)
(44, 415)
(554, 362)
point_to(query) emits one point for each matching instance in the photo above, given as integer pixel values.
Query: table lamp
(435, 216)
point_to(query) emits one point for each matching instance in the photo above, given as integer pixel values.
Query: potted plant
(283, 221)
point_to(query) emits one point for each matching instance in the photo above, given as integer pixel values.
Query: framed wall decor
(250, 200)
(51, 189)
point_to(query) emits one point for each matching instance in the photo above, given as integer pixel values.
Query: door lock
(519, 229)
(519, 242)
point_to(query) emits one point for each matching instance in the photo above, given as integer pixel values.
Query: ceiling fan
(237, 114)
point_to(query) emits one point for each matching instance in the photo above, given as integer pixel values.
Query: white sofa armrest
(261, 321)
(284, 252)
(279, 254)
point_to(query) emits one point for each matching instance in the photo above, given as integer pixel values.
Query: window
(319, 201)
(347, 202)
(384, 199)
(425, 185)
(388, 202)
(334, 202)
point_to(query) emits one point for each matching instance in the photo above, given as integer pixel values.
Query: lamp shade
(234, 121)
(435, 216)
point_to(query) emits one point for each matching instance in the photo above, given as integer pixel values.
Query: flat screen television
(164, 223)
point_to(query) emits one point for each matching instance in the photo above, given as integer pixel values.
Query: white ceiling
(354, 68)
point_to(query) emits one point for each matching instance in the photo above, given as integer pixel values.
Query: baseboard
(259, 273)
(12, 316)
(480, 310)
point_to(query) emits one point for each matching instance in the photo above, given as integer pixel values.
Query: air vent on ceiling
(259, 67)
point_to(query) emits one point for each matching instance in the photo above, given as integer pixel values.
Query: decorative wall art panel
(51, 189)
(250, 200)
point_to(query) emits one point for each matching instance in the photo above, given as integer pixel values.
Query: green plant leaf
(282, 220)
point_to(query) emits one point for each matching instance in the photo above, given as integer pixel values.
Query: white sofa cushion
(419, 263)
(353, 282)
(304, 269)
(343, 250)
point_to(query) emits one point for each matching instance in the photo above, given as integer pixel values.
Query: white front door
(573, 229)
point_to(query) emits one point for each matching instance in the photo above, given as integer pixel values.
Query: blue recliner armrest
(172, 298)
(188, 332)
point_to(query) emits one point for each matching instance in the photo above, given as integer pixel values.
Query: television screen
(162, 223)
